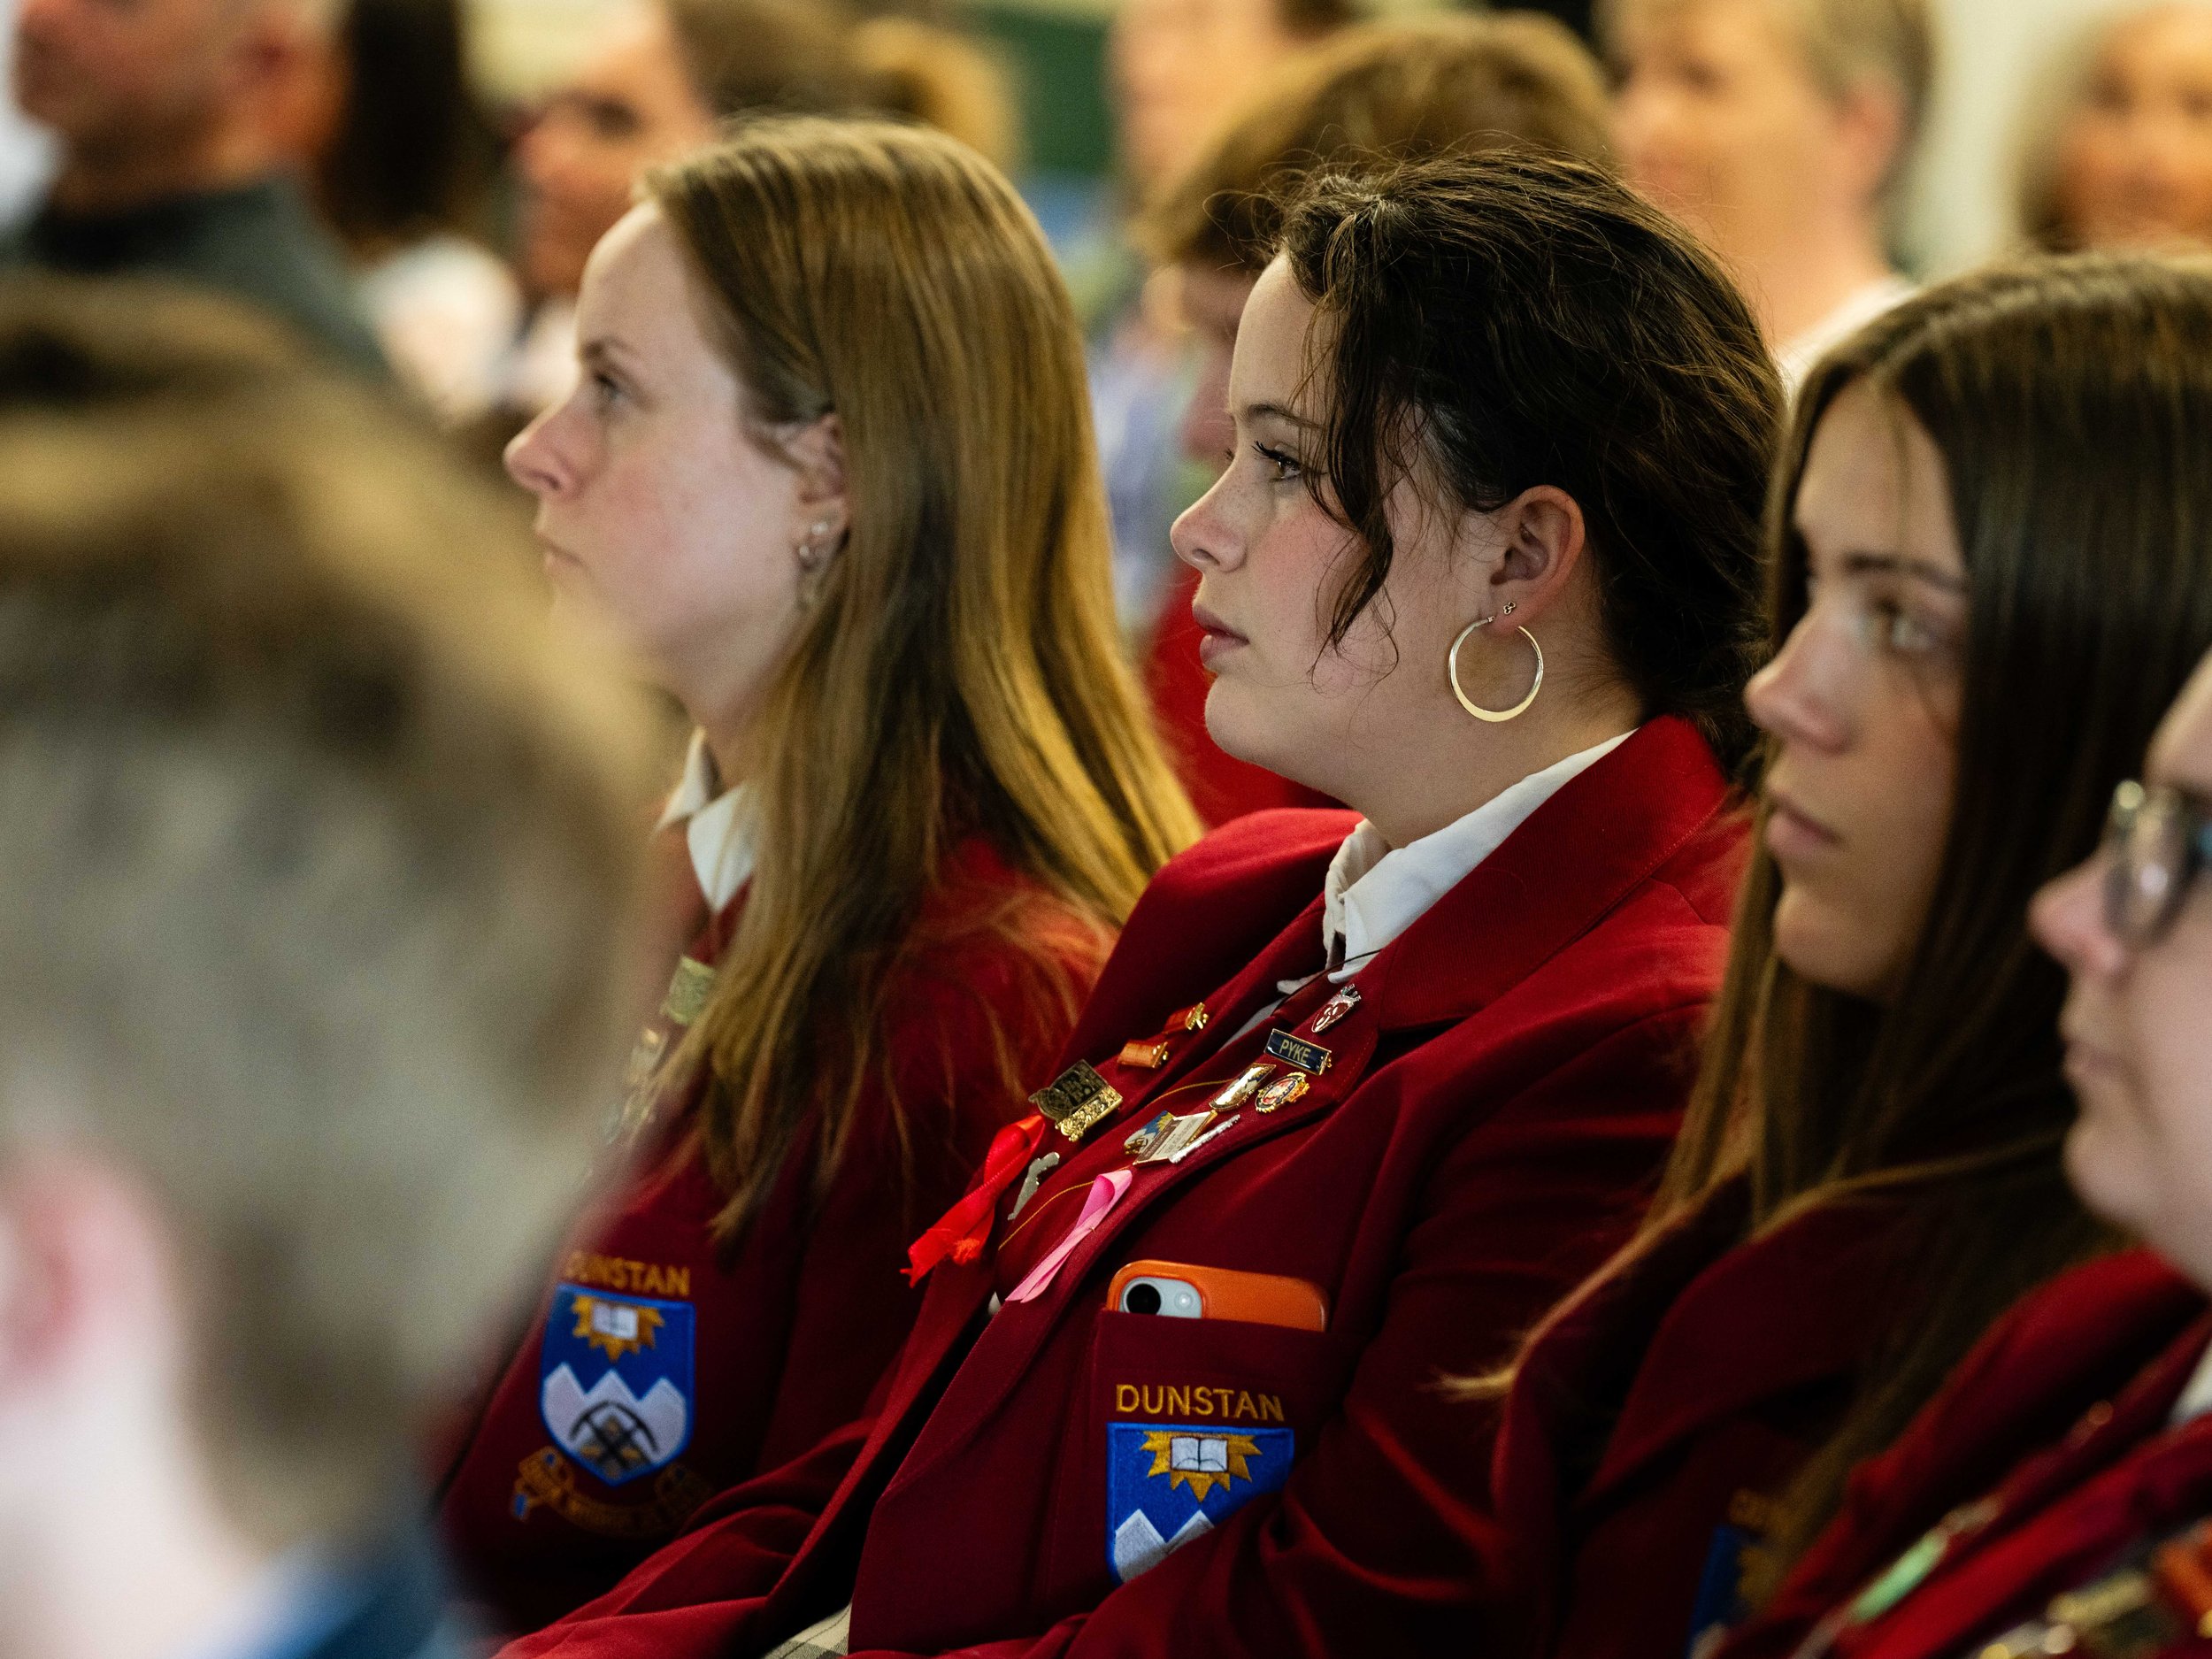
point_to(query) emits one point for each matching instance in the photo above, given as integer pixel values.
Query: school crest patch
(615, 1380)
(1166, 1486)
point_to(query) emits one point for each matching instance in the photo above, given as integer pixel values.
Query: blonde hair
(317, 850)
(1846, 43)
(960, 674)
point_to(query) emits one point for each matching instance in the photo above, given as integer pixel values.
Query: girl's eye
(605, 391)
(1285, 468)
(1901, 633)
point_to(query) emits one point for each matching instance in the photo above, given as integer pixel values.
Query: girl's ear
(1542, 536)
(817, 452)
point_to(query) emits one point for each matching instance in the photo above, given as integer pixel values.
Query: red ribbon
(961, 1231)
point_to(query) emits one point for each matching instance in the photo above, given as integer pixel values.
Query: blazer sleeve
(1382, 1540)
(719, 1572)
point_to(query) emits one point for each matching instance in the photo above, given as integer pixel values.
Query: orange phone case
(1226, 1293)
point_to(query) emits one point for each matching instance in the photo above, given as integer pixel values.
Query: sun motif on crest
(1200, 1461)
(615, 1328)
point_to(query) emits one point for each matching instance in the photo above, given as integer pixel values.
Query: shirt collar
(1374, 892)
(2196, 1399)
(717, 828)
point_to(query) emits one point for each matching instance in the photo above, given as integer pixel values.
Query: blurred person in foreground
(1410, 89)
(314, 841)
(1780, 133)
(661, 77)
(172, 159)
(2122, 154)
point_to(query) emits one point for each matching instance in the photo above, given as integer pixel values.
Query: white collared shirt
(716, 828)
(1375, 892)
(2196, 1399)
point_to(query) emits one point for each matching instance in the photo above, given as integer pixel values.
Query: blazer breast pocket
(1187, 1421)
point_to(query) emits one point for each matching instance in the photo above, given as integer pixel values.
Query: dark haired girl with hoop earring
(1359, 1094)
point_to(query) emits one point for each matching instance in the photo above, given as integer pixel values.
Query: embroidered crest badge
(615, 1380)
(1166, 1486)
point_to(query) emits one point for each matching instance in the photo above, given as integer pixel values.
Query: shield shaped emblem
(615, 1380)
(1166, 1486)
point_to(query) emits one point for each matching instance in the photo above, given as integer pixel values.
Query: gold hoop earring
(1495, 717)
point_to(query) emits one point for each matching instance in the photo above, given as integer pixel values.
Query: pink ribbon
(1105, 1193)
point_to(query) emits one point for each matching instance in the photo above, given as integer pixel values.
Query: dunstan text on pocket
(1230, 1405)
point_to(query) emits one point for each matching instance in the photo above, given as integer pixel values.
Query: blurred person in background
(1175, 70)
(25, 152)
(402, 162)
(663, 74)
(1780, 133)
(921, 71)
(168, 113)
(2122, 156)
(316, 841)
(828, 476)
(1409, 89)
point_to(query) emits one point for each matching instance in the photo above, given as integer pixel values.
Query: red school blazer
(1653, 1423)
(1487, 1128)
(2047, 1459)
(663, 1367)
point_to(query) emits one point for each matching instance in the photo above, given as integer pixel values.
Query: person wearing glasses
(2056, 1496)
(1980, 619)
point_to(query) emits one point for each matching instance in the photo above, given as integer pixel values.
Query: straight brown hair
(961, 672)
(2069, 400)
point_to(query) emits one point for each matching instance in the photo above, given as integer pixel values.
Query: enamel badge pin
(1246, 1085)
(1335, 1008)
(1282, 1092)
(1146, 1056)
(1077, 1100)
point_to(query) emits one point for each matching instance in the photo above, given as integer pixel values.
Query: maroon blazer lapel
(1579, 855)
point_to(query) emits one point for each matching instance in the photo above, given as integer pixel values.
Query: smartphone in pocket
(1178, 1290)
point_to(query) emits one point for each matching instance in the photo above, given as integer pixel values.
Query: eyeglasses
(2155, 842)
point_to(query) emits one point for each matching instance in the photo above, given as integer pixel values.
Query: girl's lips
(1219, 638)
(1793, 833)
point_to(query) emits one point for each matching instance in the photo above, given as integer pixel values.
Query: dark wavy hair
(1498, 321)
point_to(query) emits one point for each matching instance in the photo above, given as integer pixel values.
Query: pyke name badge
(1307, 1057)
(1077, 1100)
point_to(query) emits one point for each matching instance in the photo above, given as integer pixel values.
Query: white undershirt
(1375, 892)
(716, 828)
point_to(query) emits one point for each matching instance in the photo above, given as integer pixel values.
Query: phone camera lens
(1141, 1298)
